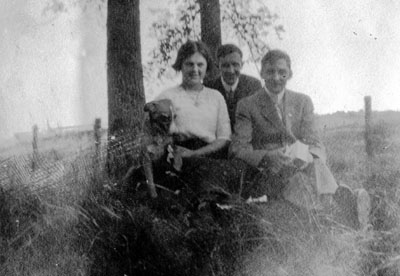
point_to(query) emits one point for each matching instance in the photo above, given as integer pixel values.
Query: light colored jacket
(259, 129)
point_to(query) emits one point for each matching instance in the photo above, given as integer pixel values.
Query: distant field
(70, 141)
(343, 119)
(64, 143)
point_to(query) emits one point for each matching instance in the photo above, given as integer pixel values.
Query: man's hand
(300, 154)
(279, 163)
(300, 164)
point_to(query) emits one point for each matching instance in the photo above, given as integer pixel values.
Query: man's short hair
(227, 49)
(273, 55)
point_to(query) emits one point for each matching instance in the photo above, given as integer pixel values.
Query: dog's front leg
(148, 172)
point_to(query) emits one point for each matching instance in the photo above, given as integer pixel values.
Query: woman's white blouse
(199, 114)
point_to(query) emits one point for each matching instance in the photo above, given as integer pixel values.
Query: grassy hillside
(69, 218)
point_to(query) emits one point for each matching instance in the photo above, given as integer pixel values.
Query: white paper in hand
(300, 151)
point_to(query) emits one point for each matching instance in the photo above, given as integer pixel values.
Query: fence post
(35, 156)
(368, 142)
(368, 138)
(97, 138)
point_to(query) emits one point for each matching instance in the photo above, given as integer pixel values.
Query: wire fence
(48, 168)
(52, 159)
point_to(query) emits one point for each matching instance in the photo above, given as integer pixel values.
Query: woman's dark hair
(190, 48)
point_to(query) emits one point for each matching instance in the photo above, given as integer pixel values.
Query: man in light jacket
(275, 132)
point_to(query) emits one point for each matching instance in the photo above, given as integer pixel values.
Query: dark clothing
(196, 143)
(192, 144)
(247, 86)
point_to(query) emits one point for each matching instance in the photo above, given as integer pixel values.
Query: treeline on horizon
(356, 118)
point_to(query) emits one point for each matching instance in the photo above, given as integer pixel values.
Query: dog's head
(161, 114)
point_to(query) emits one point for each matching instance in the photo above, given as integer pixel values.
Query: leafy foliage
(249, 24)
(171, 30)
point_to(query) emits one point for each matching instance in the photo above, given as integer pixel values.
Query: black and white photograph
(199, 138)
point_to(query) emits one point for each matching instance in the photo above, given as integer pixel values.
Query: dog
(156, 142)
(205, 178)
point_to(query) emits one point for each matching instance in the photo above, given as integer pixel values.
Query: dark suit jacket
(259, 129)
(247, 86)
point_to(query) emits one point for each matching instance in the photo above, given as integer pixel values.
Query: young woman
(202, 125)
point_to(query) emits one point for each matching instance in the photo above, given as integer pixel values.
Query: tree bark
(125, 83)
(210, 20)
(124, 71)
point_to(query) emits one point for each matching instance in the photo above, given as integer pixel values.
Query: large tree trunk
(124, 72)
(125, 79)
(210, 20)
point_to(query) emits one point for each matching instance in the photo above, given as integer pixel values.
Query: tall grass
(381, 177)
(84, 223)
(39, 214)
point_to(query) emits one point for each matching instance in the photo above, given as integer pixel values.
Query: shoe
(355, 206)
(363, 207)
(345, 198)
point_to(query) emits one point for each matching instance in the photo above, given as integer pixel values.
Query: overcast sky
(341, 50)
(344, 50)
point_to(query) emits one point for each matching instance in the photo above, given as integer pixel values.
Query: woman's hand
(184, 152)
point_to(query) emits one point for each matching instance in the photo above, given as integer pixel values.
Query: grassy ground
(83, 223)
(380, 176)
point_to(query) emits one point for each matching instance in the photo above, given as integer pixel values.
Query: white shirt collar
(228, 87)
(276, 98)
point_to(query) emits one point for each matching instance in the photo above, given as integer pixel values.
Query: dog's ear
(149, 107)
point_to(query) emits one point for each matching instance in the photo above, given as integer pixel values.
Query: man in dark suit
(232, 84)
(275, 133)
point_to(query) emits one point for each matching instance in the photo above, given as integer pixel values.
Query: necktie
(231, 95)
(279, 109)
(230, 98)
